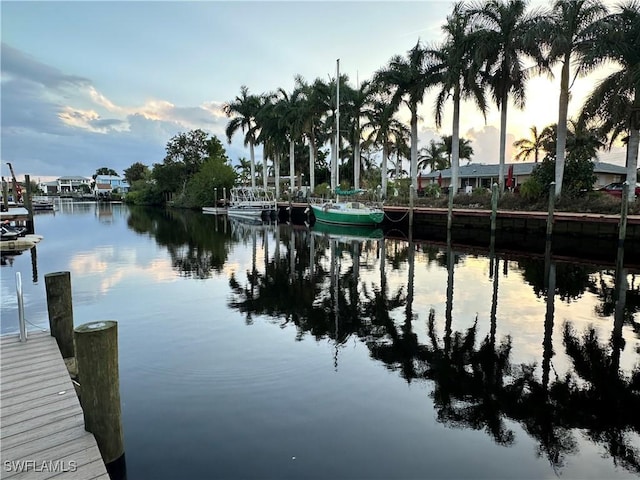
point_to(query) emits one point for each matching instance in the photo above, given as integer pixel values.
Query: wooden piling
(5, 194)
(494, 207)
(97, 358)
(28, 203)
(552, 206)
(624, 210)
(58, 288)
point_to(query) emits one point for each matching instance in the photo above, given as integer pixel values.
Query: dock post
(624, 210)
(28, 203)
(58, 287)
(97, 358)
(5, 194)
(215, 199)
(224, 197)
(552, 206)
(494, 207)
(411, 200)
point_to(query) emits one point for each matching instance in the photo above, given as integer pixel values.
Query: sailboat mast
(337, 123)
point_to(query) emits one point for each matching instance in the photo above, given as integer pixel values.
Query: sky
(91, 84)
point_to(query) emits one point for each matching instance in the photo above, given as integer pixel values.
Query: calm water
(272, 352)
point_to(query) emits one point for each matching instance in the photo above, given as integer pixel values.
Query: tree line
(490, 50)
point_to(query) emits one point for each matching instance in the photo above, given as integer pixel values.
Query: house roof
(481, 170)
(103, 186)
(73, 177)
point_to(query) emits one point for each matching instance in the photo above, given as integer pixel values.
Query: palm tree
(357, 102)
(615, 102)
(244, 170)
(312, 110)
(273, 135)
(465, 150)
(290, 116)
(382, 128)
(529, 146)
(244, 109)
(433, 157)
(506, 35)
(453, 68)
(567, 32)
(408, 80)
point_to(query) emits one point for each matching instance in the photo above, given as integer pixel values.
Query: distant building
(108, 184)
(64, 185)
(483, 176)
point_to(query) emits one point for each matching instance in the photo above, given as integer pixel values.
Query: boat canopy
(353, 191)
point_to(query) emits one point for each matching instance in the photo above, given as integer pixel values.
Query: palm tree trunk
(292, 170)
(277, 172)
(253, 164)
(632, 147)
(356, 157)
(264, 168)
(312, 164)
(632, 161)
(455, 140)
(384, 170)
(414, 147)
(503, 141)
(561, 141)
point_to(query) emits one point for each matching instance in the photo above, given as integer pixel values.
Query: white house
(107, 184)
(64, 185)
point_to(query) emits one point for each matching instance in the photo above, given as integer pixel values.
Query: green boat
(348, 213)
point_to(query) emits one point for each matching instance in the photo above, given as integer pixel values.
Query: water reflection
(410, 305)
(322, 285)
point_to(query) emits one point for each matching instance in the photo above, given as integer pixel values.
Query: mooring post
(411, 193)
(97, 358)
(28, 203)
(58, 287)
(552, 206)
(624, 210)
(224, 197)
(5, 194)
(494, 207)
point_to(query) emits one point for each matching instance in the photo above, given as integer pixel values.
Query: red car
(615, 189)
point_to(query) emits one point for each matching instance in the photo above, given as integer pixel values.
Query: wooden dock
(41, 422)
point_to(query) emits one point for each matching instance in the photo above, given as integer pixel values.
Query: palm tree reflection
(323, 291)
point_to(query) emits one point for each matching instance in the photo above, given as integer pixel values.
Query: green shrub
(532, 190)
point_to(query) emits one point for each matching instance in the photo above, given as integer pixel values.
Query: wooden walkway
(42, 431)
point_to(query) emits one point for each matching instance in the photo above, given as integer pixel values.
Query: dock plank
(40, 415)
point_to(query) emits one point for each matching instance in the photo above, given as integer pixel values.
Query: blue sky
(92, 84)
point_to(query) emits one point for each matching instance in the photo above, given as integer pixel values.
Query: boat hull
(20, 243)
(246, 212)
(347, 217)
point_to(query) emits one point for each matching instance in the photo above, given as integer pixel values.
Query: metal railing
(21, 320)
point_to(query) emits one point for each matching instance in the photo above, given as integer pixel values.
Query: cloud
(57, 124)
(486, 144)
(20, 65)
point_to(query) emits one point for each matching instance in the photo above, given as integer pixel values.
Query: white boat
(14, 239)
(214, 210)
(251, 202)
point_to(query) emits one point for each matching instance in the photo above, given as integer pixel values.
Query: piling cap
(96, 326)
